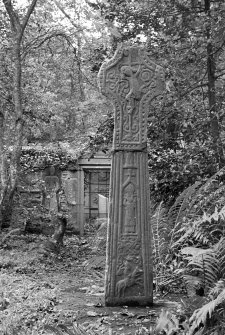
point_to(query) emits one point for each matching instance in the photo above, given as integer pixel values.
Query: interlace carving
(132, 85)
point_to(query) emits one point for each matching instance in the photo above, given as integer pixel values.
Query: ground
(43, 292)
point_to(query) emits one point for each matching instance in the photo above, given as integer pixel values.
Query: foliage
(204, 320)
(196, 217)
(168, 323)
(60, 98)
(64, 102)
(206, 312)
(178, 210)
(102, 140)
(160, 242)
(62, 329)
(196, 254)
(172, 171)
(159, 231)
(39, 300)
(28, 298)
(37, 158)
(76, 303)
(203, 219)
(186, 130)
(126, 20)
(206, 264)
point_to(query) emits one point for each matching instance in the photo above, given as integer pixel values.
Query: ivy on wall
(38, 159)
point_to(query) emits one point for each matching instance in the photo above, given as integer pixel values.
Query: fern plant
(179, 209)
(160, 232)
(197, 224)
(169, 323)
(201, 315)
(209, 196)
(205, 230)
(206, 268)
(203, 264)
(207, 264)
(208, 319)
(195, 204)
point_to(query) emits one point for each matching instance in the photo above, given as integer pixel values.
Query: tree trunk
(3, 177)
(17, 96)
(10, 186)
(17, 29)
(211, 70)
(6, 207)
(60, 229)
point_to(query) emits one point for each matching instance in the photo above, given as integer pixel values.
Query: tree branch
(68, 17)
(35, 44)
(14, 18)
(17, 27)
(27, 16)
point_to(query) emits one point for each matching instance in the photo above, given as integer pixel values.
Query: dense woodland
(51, 53)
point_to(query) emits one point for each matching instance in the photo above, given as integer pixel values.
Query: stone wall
(41, 194)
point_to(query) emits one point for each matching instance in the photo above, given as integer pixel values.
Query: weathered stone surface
(52, 186)
(71, 187)
(133, 82)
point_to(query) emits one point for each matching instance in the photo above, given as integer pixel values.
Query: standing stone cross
(132, 81)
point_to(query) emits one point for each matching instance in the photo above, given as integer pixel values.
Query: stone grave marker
(133, 82)
(52, 186)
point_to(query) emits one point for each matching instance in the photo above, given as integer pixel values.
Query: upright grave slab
(132, 81)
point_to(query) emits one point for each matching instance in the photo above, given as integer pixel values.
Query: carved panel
(129, 272)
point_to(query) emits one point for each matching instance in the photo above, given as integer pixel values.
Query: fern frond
(218, 287)
(159, 231)
(203, 263)
(179, 208)
(203, 209)
(207, 266)
(205, 229)
(192, 284)
(195, 231)
(209, 195)
(184, 234)
(201, 315)
(167, 322)
(220, 250)
(200, 234)
(193, 251)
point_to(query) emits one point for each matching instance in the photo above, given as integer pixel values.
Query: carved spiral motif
(146, 75)
(111, 80)
(123, 88)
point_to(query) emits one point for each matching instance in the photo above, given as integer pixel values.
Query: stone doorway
(96, 193)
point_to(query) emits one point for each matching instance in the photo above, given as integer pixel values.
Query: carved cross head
(132, 81)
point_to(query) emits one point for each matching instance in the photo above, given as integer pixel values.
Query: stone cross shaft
(133, 82)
